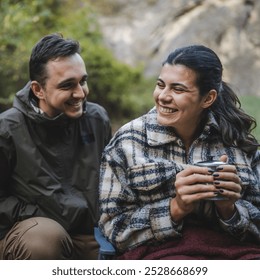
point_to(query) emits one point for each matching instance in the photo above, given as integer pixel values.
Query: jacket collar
(159, 135)
(25, 102)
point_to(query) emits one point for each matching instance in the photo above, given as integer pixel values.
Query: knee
(38, 238)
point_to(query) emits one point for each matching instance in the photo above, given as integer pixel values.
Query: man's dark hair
(49, 48)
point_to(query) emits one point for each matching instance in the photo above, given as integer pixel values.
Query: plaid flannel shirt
(137, 177)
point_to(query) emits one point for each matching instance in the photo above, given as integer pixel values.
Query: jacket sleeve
(245, 224)
(128, 216)
(11, 208)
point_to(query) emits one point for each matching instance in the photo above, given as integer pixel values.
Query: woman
(151, 191)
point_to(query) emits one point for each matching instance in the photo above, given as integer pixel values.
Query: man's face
(66, 87)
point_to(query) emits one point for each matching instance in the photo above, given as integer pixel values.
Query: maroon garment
(197, 243)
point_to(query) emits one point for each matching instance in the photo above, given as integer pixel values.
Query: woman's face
(177, 98)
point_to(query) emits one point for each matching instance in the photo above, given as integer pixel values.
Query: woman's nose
(165, 95)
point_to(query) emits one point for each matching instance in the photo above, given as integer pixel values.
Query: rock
(144, 32)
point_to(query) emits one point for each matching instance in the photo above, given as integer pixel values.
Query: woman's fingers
(197, 188)
(194, 170)
(226, 176)
(194, 178)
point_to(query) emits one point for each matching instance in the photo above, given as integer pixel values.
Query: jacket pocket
(149, 176)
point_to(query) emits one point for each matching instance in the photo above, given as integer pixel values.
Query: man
(51, 143)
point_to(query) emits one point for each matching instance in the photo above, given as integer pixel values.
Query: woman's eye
(160, 85)
(179, 90)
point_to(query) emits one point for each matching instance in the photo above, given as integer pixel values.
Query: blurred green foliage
(112, 84)
(122, 90)
(22, 24)
(250, 104)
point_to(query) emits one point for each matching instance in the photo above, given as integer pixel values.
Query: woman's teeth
(167, 110)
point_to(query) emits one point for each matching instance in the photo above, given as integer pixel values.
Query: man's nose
(79, 92)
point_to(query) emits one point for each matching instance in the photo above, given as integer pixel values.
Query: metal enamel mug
(212, 165)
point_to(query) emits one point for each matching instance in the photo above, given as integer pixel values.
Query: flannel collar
(159, 135)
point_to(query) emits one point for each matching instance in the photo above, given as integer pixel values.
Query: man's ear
(210, 98)
(37, 89)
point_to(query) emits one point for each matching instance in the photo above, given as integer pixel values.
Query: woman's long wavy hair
(235, 125)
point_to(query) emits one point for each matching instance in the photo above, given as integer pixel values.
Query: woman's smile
(167, 110)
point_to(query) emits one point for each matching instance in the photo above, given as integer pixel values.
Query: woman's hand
(228, 183)
(192, 184)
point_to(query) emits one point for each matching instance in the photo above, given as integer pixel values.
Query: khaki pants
(41, 238)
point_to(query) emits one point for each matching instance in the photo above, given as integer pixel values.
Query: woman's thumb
(224, 158)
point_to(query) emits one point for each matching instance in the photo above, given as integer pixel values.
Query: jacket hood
(26, 103)
(24, 100)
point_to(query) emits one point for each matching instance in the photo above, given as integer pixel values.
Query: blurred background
(124, 43)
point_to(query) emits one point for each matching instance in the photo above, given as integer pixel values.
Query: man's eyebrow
(71, 80)
(65, 82)
(84, 77)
